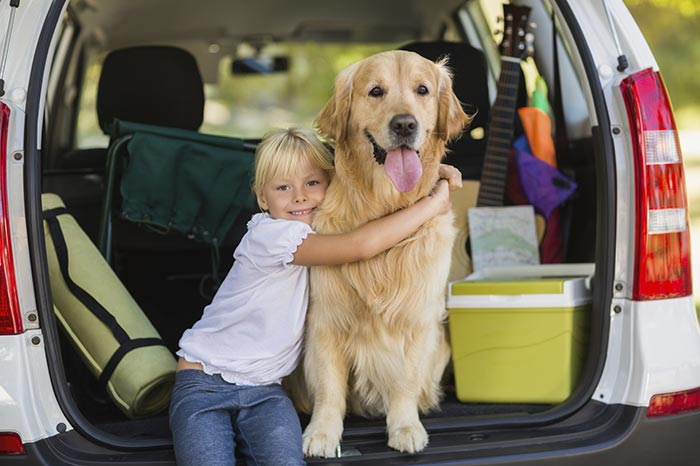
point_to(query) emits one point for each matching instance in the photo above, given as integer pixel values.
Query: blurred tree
(684, 7)
(671, 28)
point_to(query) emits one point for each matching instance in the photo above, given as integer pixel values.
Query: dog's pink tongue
(403, 167)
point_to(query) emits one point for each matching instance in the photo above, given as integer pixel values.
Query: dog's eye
(422, 90)
(376, 91)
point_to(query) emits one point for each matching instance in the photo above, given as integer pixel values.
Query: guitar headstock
(517, 41)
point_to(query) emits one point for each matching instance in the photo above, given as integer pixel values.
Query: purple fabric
(545, 187)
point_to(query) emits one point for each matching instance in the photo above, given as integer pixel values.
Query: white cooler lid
(548, 285)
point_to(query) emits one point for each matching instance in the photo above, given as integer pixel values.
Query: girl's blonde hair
(282, 152)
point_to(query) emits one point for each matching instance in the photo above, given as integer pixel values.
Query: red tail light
(674, 403)
(10, 318)
(10, 444)
(662, 256)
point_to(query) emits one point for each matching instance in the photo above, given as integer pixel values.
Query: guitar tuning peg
(532, 25)
(529, 38)
(530, 50)
(499, 19)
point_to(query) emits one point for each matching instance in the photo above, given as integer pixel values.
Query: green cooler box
(518, 341)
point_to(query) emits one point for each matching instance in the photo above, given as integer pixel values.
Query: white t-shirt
(252, 331)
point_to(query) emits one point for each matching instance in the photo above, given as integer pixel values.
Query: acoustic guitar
(499, 141)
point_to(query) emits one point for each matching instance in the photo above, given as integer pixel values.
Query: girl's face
(295, 197)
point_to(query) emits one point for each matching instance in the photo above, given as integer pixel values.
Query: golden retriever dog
(375, 336)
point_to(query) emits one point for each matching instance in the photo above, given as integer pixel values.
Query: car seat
(157, 92)
(157, 85)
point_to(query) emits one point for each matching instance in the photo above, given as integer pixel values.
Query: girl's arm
(374, 237)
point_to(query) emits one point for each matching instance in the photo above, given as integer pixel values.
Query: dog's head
(399, 110)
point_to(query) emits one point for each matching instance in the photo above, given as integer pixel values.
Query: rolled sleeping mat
(110, 331)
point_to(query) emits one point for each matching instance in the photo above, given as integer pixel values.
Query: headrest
(468, 65)
(156, 85)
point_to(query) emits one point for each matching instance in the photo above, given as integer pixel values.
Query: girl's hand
(440, 197)
(451, 174)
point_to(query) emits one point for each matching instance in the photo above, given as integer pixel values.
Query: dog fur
(375, 337)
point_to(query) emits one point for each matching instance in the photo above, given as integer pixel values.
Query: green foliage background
(672, 28)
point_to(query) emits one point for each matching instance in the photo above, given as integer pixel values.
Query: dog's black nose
(403, 125)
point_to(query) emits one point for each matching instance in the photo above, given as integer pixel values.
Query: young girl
(227, 392)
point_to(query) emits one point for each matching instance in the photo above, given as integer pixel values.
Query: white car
(93, 301)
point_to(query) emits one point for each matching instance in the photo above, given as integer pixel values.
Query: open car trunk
(172, 278)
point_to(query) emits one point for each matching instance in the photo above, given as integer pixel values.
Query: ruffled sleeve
(273, 242)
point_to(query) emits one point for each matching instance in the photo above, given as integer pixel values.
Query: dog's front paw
(319, 442)
(409, 439)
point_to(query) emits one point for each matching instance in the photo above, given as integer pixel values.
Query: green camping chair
(175, 181)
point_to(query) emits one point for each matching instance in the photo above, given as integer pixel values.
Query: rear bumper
(605, 435)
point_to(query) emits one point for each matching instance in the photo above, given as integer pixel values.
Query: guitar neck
(500, 135)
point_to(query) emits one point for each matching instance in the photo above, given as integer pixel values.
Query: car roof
(118, 23)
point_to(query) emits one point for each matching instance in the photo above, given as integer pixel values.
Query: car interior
(154, 111)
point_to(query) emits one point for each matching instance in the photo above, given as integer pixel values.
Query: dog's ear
(452, 119)
(333, 119)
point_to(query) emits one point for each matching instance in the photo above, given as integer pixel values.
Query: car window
(88, 132)
(248, 105)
